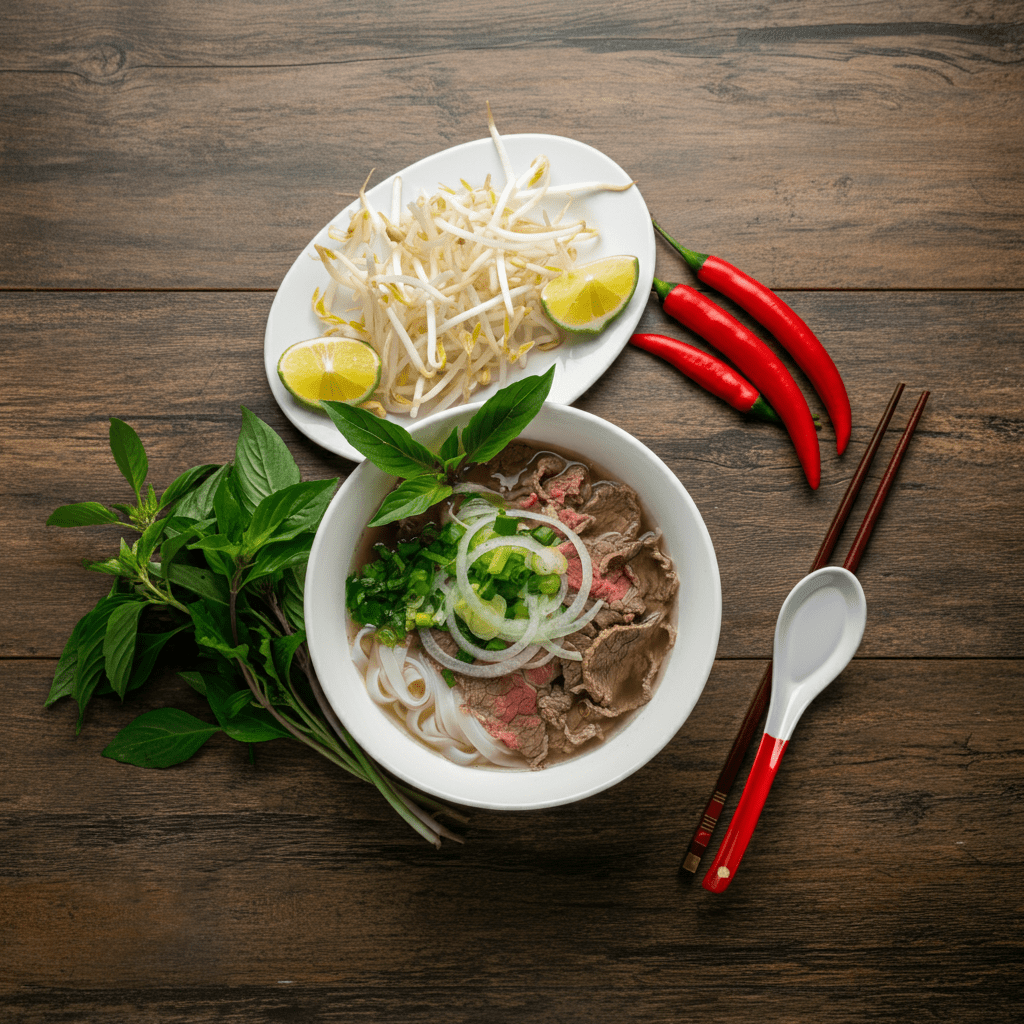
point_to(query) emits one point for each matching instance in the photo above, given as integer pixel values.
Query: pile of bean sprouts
(404, 680)
(447, 287)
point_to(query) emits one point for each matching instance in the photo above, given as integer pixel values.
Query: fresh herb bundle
(220, 559)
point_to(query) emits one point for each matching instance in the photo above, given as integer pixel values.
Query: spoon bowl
(820, 627)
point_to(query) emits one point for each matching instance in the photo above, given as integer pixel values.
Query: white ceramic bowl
(697, 619)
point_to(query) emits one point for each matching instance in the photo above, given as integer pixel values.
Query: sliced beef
(615, 508)
(570, 721)
(620, 666)
(507, 708)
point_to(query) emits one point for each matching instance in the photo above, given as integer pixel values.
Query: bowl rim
(576, 778)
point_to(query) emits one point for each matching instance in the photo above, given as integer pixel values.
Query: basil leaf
(188, 480)
(280, 555)
(262, 461)
(159, 739)
(213, 630)
(119, 644)
(410, 498)
(64, 674)
(110, 566)
(198, 503)
(284, 648)
(196, 680)
(387, 445)
(147, 648)
(83, 513)
(502, 418)
(240, 716)
(450, 446)
(177, 533)
(231, 517)
(129, 454)
(89, 666)
(147, 543)
(276, 517)
(292, 596)
(201, 582)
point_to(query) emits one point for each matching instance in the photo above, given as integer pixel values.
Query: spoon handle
(741, 828)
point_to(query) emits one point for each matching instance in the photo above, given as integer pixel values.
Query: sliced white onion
(490, 671)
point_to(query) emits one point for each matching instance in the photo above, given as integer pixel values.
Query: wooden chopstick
(860, 542)
(715, 805)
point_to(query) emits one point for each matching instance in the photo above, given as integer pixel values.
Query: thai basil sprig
(219, 558)
(428, 477)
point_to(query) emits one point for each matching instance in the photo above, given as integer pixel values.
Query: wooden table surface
(163, 165)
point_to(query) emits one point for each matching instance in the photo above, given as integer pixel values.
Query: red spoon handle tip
(741, 828)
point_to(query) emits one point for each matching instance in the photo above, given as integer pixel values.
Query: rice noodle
(437, 717)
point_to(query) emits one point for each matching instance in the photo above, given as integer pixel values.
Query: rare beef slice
(507, 708)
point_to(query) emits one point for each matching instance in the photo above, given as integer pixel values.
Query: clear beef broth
(571, 706)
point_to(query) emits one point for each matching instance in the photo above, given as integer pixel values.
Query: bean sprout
(447, 287)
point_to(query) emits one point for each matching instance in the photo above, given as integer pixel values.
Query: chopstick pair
(715, 805)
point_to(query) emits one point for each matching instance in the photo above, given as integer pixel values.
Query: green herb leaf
(228, 509)
(64, 675)
(119, 644)
(276, 517)
(387, 445)
(159, 739)
(198, 503)
(129, 454)
(111, 567)
(188, 480)
(262, 461)
(196, 680)
(84, 513)
(178, 532)
(450, 446)
(147, 543)
(147, 649)
(292, 596)
(274, 557)
(410, 498)
(502, 418)
(240, 716)
(89, 665)
(284, 648)
(202, 582)
(213, 630)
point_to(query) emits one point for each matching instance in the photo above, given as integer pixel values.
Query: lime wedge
(586, 299)
(333, 369)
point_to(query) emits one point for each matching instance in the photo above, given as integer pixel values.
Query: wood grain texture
(204, 151)
(248, 891)
(162, 166)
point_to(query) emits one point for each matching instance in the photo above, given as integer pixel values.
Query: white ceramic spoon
(820, 627)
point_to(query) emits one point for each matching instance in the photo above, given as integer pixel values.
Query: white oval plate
(621, 218)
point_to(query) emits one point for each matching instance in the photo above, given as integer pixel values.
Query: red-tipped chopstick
(717, 881)
(713, 809)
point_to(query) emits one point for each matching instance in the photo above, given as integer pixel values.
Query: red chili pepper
(710, 373)
(752, 357)
(775, 316)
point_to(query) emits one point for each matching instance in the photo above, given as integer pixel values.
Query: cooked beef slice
(652, 568)
(507, 709)
(567, 717)
(572, 671)
(615, 508)
(620, 667)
